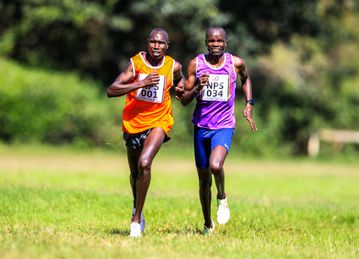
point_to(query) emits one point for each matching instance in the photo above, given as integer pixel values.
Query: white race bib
(153, 93)
(217, 88)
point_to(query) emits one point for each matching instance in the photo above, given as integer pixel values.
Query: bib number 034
(216, 89)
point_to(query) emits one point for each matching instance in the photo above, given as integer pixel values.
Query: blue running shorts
(205, 140)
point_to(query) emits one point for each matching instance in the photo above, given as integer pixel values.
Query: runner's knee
(205, 182)
(216, 166)
(204, 177)
(144, 166)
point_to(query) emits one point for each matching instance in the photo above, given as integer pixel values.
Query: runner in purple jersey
(212, 78)
(215, 101)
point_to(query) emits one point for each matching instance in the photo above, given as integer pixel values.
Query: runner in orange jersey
(147, 116)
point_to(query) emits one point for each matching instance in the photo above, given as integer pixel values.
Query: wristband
(251, 102)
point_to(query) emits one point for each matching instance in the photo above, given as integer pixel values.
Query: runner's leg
(133, 156)
(151, 147)
(216, 161)
(205, 195)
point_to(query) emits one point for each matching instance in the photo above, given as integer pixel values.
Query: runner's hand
(151, 79)
(203, 81)
(179, 89)
(248, 114)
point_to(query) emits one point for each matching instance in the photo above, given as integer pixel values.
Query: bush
(52, 107)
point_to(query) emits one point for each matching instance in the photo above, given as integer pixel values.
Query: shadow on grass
(177, 231)
(117, 231)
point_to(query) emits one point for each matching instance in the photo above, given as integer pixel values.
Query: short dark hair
(210, 29)
(159, 29)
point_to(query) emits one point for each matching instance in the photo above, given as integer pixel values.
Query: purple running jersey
(215, 102)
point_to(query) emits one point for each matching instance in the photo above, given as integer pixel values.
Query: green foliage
(96, 37)
(302, 55)
(314, 91)
(51, 108)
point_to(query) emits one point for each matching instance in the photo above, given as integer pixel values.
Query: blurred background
(58, 57)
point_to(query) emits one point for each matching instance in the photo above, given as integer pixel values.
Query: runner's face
(157, 44)
(216, 42)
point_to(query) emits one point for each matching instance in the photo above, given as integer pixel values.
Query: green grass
(69, 204)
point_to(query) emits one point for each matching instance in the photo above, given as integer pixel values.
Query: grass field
(66, 204)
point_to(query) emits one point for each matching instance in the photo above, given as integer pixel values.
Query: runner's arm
(121, 86)
(247, 90)
(190, 82)
(178, 81)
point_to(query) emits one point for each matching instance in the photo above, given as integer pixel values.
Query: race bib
(153, 93)
(217, 88)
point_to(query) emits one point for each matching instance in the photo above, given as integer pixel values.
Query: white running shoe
(223, 213)
(142, 220)
(135, 230)
(209, 231)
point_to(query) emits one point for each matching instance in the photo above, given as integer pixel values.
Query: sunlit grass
(70, 204)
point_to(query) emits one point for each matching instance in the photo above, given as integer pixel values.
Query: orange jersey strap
(149, 107)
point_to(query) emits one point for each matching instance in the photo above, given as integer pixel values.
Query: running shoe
(223, 213)
(209, 231)
(142, 220)
(135, 230)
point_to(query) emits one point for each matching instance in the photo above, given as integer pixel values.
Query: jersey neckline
(148, 64)
(211, 66)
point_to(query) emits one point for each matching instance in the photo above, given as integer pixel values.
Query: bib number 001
(153, 93)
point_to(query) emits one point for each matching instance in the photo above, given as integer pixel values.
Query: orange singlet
(149, 107)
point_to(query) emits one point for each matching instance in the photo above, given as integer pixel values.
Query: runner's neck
(215, 61)
(152, 61)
